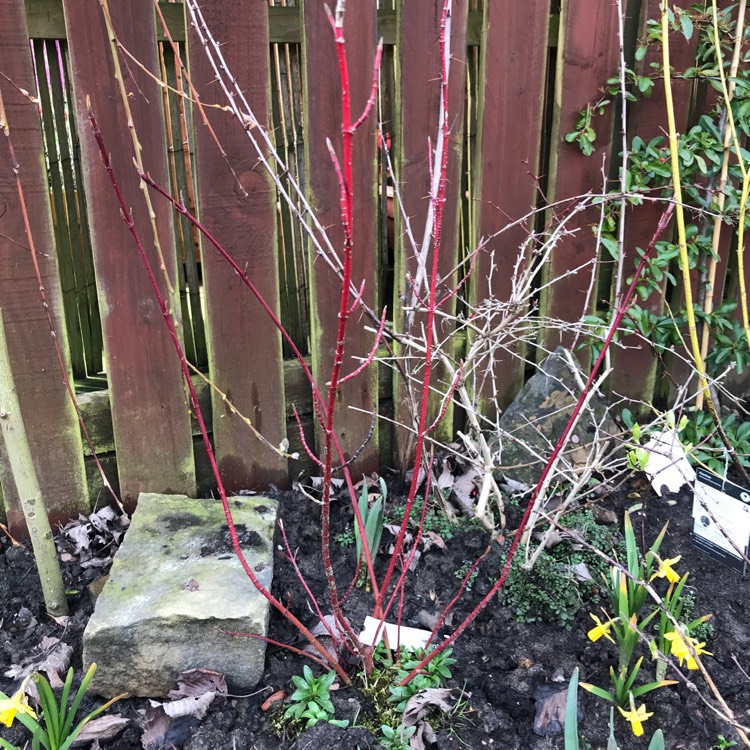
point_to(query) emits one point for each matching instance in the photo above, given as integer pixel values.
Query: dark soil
(502, 665)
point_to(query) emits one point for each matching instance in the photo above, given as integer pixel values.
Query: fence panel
(149, 411)
(511, 105)
(150, 423)
(587, 56)
(322, 107)
(47, 410)
(245, 356)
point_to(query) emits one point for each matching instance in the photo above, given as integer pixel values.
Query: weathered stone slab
(534, 422)
(175, 585)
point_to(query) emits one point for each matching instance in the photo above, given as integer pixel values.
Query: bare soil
(503, 666)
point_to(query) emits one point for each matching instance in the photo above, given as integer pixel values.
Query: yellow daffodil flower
(601, 629)
(679, 647)
(636, 716)
(16, 704)
(681, 650)
(666, 570)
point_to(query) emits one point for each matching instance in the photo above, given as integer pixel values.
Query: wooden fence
(522, 72)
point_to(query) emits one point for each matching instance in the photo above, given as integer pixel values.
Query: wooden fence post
(149, 408)
(322, 98)
(510, 113)
(47, 410)
(587, 57)
(244, 347)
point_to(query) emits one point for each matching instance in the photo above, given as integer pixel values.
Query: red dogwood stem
(438, 202)
(345, 176)
(319, 402)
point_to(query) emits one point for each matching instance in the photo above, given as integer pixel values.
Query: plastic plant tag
(721, 519)
(667, 465)
(410, 638)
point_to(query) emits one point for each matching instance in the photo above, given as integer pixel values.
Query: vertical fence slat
(322, 97)
(290, 287)
(418, 123)
(86, 279)
(587, 57)
(87, 307)
(511, 97)
(635, 365)
(47, 411)
(53, 146)
(149, 410)
(244, 347)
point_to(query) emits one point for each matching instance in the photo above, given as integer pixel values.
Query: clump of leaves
(435, 521)
(462, 571)
(389, 700)
(311, 701)
(563, 577)
(433, 675)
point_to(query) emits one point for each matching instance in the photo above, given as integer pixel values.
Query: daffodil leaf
(643, 689)
(657, 741)
(597, 691)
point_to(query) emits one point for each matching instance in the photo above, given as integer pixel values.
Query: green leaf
(657, 741)
(571, 713)
(612, 246)
(643, 689)
(687, 25)
(597, 691)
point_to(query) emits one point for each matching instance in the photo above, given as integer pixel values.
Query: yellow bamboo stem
(137, 156)
(730, 135)
(680, 213)
(728, 93)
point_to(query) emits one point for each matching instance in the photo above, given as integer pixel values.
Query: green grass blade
(571, 713)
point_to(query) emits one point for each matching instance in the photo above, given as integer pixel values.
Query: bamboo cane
(27, 484)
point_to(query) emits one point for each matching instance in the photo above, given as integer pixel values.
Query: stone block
(175, 586)
(534, 422)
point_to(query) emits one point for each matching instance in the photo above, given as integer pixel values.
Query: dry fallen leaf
(432, 539)
(103, 728)
(465, 489)
(196, 706)
(196, 682)
(446, 480)
(550, 711)
(54, 661)
(419, 704)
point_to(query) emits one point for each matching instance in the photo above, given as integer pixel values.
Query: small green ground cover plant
(563, 577)
(311, 702)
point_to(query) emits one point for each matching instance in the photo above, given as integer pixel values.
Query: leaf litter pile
(508, 684)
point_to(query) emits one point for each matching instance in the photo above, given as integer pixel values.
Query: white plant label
(667, 466)
(721, 519)
(410, 638)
